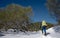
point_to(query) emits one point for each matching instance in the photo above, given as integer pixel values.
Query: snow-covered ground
(51, 34)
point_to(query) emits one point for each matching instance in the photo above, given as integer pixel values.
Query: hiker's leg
(45, 30)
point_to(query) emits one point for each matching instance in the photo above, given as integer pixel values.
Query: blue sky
(40, 10)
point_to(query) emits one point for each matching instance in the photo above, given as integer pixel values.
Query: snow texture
(51, 33)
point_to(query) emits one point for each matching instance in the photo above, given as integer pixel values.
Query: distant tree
(54, 8)
(34, 26)
(37, 26)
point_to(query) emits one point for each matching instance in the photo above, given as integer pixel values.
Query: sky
(40, 11)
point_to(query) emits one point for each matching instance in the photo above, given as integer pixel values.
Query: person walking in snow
(44, 25)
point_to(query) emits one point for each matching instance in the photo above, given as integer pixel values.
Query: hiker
(44, 25)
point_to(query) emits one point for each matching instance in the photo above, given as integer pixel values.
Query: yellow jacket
(44, 23)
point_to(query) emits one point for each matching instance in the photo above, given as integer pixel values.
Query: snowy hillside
(51, 34)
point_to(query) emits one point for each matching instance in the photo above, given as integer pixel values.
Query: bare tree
(54, 9)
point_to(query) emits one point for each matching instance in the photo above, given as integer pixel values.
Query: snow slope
(51, 34)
